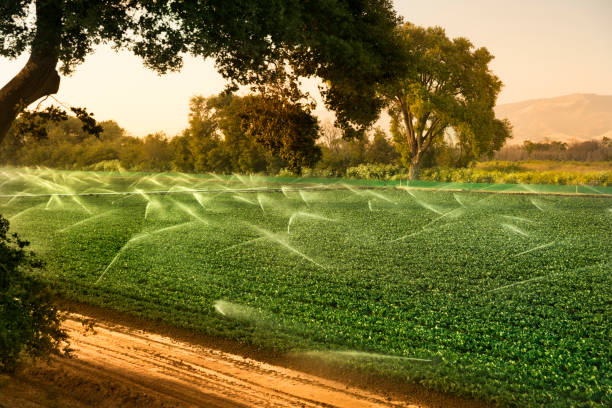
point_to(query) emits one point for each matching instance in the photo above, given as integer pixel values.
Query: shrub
(373, 171)
(29, 322)
(106, 165)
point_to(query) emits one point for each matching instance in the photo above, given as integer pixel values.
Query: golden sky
(542, 48)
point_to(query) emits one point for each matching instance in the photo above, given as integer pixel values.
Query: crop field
(506, 298)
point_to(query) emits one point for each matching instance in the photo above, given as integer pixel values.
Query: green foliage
(259, 133)
(197, 148)
(226, 134)
(508, 295)
(380, 149)
(511, 176)
(375, 171)
(201, 148)
(339, 154)
(285, 128)
(446, 88)
(67, 145)
(32, 125)
(350, 45)
(29, 322)
(153, 152)
(107, 166)
(89, 123)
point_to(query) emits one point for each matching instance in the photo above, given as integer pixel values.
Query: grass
(503, 298)
(546, 165)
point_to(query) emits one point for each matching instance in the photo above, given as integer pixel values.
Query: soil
(130, 362)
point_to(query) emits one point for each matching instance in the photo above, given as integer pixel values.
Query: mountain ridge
(575, 117)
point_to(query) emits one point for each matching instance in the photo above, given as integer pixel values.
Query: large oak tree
(348, 43)
(445, 89)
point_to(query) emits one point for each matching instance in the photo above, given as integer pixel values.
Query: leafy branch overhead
(33, 124)
(350, 45)
(89, 123)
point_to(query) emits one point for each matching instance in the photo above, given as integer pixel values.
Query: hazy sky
(542, 48)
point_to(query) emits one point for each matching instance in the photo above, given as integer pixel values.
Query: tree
(339, 153)
(53, 138)
(285, 128)
(349, 44)
(29, 322)
(380, 150)
(553, 146)
(193, 148)
(446, 90)
(247, 134)
(235, 152)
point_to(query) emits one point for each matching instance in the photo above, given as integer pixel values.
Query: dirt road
(120, 366)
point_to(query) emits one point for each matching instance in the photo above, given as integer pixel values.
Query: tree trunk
(413, 172)
(38, 77)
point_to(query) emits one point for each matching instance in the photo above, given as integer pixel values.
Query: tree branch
(407, 116)
(429, 136)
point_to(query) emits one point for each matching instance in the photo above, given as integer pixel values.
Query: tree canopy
(446, 90)
(254, 133)
(287, 130)
(350, 44)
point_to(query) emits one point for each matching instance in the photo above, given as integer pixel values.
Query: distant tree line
(221, 138)
(217, 140)
(226, 134)
(591, 150)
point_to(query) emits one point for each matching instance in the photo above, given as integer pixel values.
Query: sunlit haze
(542, 49)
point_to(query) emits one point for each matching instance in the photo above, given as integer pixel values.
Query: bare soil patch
(130, 362)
